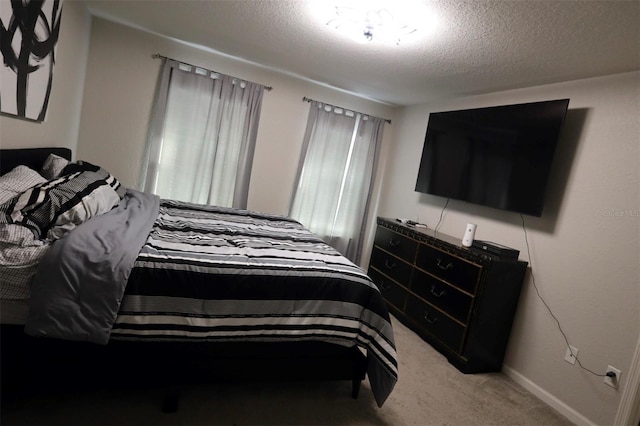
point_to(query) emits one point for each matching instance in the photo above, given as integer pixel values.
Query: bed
(132, 289)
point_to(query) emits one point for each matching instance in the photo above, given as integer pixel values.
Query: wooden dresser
(460, 300)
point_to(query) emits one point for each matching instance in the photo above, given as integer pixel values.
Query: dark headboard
(31, 157)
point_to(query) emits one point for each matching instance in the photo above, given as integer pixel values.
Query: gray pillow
(53, 166)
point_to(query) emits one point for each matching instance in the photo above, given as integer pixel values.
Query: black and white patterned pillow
(55, 207)
(20, 254)
(84, 166)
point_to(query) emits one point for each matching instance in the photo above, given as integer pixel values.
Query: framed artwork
(29, 32)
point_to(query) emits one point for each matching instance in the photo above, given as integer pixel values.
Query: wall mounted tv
(497, 156)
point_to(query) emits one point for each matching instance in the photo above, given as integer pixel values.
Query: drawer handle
(389, 265)
(384, 286)
(440, 293)
(444, 267)
(429, 318)
(394, 243)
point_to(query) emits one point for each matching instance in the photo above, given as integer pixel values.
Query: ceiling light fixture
(369, 25)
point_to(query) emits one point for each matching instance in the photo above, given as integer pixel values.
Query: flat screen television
(496, 156)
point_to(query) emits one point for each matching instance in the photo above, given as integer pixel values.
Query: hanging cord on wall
(305, 99)
(435, 230)
(157, 55)
(535, 286)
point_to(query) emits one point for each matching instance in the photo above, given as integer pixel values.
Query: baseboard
(545, 396)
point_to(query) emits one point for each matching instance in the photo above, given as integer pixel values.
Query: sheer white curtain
(201, 136)
(335, 175)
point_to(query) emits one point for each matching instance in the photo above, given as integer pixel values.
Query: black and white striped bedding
(232, 275)
(160, 270)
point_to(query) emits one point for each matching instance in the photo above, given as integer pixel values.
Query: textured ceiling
(469, 47)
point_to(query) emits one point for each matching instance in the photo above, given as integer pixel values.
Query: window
(202, 136)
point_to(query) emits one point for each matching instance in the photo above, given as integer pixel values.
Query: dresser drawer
(444, 296)
(391, 266)
(400, 245)
(435, 323)
(450, 268)
(390, 290)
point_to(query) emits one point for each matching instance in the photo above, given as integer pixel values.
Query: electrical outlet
(612, 381)
(571, 354)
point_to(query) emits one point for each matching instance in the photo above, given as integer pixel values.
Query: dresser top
(438, 239)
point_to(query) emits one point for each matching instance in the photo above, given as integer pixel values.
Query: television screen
(497, 156)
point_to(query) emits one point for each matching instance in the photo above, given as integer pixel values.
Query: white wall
(63, 119)
(120, 84)
(584, 249)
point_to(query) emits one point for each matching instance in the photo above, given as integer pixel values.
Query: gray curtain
(201, 136)
(335, 175)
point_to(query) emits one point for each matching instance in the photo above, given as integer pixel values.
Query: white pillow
(53, 166)
(17, 181)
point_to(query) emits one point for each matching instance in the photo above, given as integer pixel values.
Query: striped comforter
(218, 274)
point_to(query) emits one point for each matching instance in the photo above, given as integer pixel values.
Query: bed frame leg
(170, 402)
(355, 388)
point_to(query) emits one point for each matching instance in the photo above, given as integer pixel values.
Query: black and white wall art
(29, 32)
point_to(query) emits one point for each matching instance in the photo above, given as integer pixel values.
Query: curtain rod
(305, 99)
(157, 55)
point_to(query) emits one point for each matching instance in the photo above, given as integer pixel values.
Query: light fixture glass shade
(370, 25)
